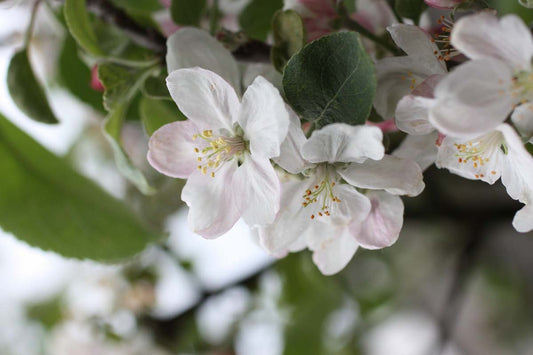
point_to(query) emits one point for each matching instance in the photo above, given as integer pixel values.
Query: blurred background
(458, 281)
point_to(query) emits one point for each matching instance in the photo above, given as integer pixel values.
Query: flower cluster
(333, 189)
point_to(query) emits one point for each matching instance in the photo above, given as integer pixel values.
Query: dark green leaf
(289, 37)
(411, 9)
(122, 84)
(256, 18)
(187, 12)
(76, 76)
(49, 205)
(80, 26)
(331, 80)
(26, 91)
(156, 113)
(155, 87)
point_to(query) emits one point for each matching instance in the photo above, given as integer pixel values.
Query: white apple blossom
(223, 149)
(324, 210)
(399, 76)
(486, 89)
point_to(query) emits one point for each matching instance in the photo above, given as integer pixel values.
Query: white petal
(474, 99)
(257, 188)
(421, 149)
(415, 42)
(412, 115)
(486, 165)
(522, 118)
(264, 118)
(396, 175)
(212, 210)
(191, 47)
(335, 249)
(293, 221)
(171, 149)
(384, 223)
(517, 176)
(482, 35)
(399, 76)
(353, 206)
(290, 157)
(204, 97)
(377, 13)
(340, 142)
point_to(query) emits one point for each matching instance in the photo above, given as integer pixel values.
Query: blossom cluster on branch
(331, 187)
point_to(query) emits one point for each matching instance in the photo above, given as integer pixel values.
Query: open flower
(324, 210)
(223, 149)
(486, 89)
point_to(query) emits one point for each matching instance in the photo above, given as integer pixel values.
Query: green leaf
(411, 9)
(289, 37)
(45, 203)
(187, 12)
(155, 87)
(121, 86)
(256, 18)
(26, 91)
(156, 113)
(331, 80)
(76, 76)
(80, 27)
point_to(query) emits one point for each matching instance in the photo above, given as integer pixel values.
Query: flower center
(478, 152)
(442, 39)
(214, 150)
(322, 195)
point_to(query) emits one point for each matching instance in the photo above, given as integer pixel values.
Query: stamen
(322, 193)
(216, 150)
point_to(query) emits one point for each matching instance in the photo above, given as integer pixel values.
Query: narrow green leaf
(122, 84)
(80, 27)
(289, 37)
(26, 91)
(256, 18)
(76, 76)
(187, 12)
(331, 80)
(411, 9)
(156, 113)
(48, 205)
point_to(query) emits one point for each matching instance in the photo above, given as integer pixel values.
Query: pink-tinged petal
(340, 142)
(211, 201)
(290, 157)
(399, 76)
(374, 15)
(334, 249)
(416, 42)
(171, 149)
(95, 83)
(517, 176)
(204, 97)
(427, 87)
(412, 115)
(482, 35)
(396, 175)
(522, 118)
(384, 223)
(263, 118)
(293, 220)
(257, 191)
(443, 4)
(421, 149)
(476, 159)
(474, 99)
(192, 47)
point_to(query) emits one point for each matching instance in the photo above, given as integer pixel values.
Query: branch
(146, 37)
